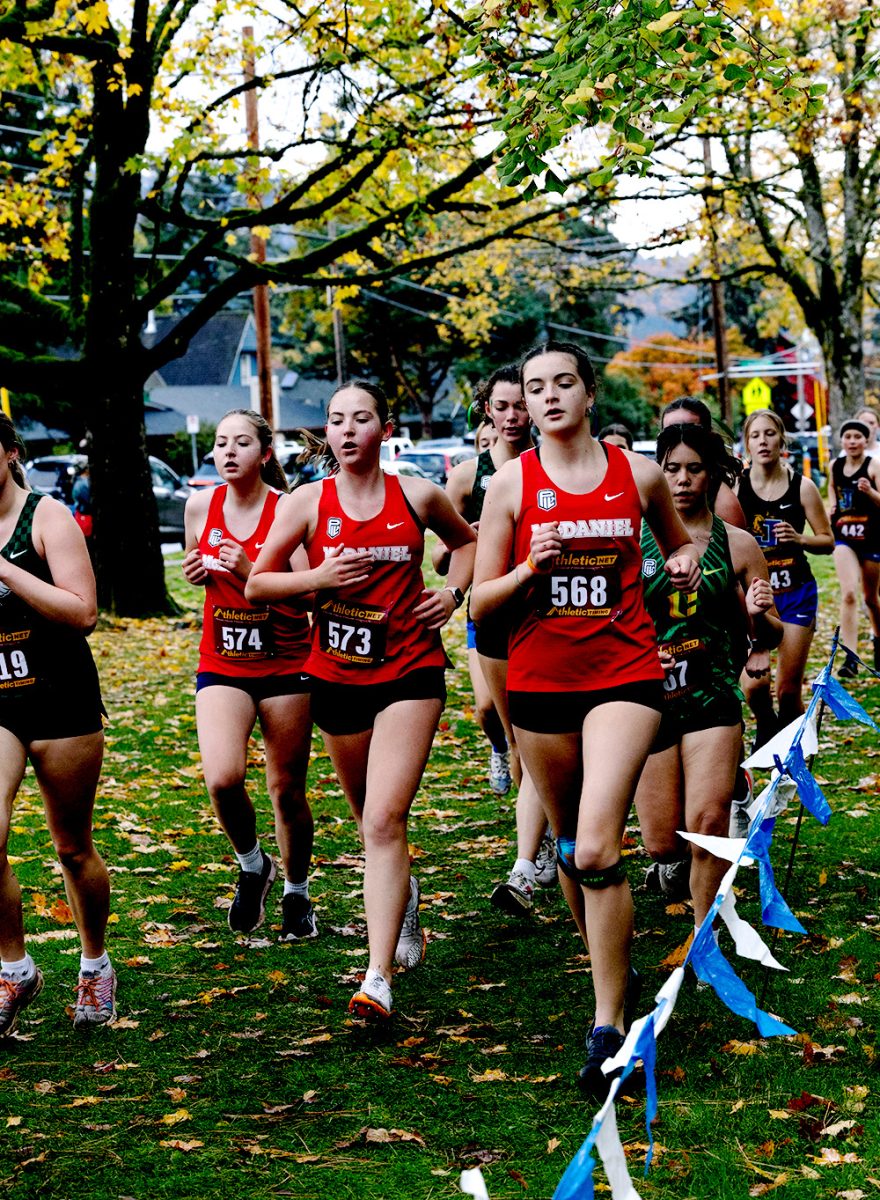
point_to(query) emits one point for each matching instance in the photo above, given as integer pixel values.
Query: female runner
(501, 398)
(689, 410)
(377, 661)
(854, 491)
(584, 676)
(485, 437)
(778, 502)
(689, 778)
(50, 714)
(251, 667)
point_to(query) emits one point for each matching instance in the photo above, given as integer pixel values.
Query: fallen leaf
(181, 1114)
(552, 1145)
(390, 1135)
(744, 1048)
(12, 1122)
(176, 1144)
(175, 1094)
(829, 1157)
(494, 1076)
(60, 912)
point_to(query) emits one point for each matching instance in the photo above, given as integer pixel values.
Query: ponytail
(10, 440)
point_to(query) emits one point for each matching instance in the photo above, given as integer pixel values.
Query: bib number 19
(13, 666)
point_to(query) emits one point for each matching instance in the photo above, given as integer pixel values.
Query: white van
(389, 450)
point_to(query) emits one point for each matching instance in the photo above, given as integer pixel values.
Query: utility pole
(258, 245)
(338, 328)
(719, 316)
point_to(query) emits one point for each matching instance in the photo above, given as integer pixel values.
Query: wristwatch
(457, 595)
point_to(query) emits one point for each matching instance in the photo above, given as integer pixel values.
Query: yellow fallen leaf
(181, 1114)
(11, 1122)
(552, 1145)
(744, 1048)
(489, 1077)
(181, 864)
(779, 1114)
(829, 1157)
(176, 1144)
(739, 1105)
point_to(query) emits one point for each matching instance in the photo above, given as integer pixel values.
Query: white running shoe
(373, 998)
(411, 943)
(515, 896)
(499, 772)
(95, 999)
(545, 862)
(739, 814)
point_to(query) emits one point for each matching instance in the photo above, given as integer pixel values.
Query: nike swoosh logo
(714, 571)
(616, 496)
(259, 545)
(396, 525)
(17, 554)
(784, 506)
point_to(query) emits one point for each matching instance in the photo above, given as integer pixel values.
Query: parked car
(390, 449)
(55, 476)
(401, 467)
(647, 447)
(437, 463)
(207, 475)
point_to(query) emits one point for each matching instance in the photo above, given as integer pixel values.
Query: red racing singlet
(366, 633)
(585, 625)
(239, 638)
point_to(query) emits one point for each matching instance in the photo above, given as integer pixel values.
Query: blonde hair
(271, 471)
(772, 417)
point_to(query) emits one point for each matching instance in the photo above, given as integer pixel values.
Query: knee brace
(595, 879)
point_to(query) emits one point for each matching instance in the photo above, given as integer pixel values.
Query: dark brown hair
(10, 440)
(721, 466)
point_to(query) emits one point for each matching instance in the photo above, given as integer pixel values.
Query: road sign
(756, 394)
(192, 422)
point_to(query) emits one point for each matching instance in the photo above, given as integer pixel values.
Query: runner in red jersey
(377, 661)
(251, 667)
(584, 677)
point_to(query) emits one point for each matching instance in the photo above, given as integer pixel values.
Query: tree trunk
(128, 556)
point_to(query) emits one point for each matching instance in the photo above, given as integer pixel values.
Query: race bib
(786, 573)
(353, 633)
(690, 669)
(243, 633)
(583, 583)
(15, 670)
(852, 529)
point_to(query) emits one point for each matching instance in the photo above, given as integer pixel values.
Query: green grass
(244, 1052)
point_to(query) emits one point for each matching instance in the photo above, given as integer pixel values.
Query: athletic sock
(19, 969)
(526, 867)
(252, 861)
(296, 889)
(101, 965)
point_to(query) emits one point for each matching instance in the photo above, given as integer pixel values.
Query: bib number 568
(580, 591)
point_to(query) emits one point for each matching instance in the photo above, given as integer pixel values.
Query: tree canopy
(375, 163)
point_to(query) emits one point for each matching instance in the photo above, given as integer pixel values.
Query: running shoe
(850, 668)
(95, 999)
(499, 772)
(739, 809)
(412, 943)
(16, 994)
(373, 999)
(249, 903)
(545, 862)
(298, 918)
(516, 896)
(672, 880)
(602, 1043)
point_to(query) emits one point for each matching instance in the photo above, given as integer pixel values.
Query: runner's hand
(546, 545)
(435, 608)
(758, 664)
(193, 568)
(684, 572)
(340, 570)
(759, 597)
(234, 559)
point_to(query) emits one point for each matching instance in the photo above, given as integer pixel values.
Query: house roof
(212, 355)
(302, 406)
